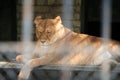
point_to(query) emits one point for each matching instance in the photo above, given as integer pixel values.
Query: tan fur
(58, 45)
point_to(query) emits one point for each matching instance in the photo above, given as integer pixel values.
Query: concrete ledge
(10, 65)
(54, 67)
(54, 72)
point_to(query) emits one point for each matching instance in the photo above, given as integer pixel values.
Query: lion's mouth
(49, 43)
(44, 46)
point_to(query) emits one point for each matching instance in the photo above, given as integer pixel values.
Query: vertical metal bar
(106, 19)
(27, 18)
(67, 15)
(66, 75)
(106, 27)
(67, 12)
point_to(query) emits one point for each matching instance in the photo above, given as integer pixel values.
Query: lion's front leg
(25, 72)
(27, 68)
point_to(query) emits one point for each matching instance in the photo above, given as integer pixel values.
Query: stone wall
(50, 9)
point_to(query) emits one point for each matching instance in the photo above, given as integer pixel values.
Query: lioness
(58, 45)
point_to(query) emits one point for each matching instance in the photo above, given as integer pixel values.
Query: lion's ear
(37, 20)
(58, 20)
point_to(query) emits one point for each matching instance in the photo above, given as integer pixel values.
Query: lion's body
(58, 45)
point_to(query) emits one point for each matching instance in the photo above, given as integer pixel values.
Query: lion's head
(48, 30)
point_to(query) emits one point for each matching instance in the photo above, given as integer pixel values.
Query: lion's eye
(48, 32)
(40, 32)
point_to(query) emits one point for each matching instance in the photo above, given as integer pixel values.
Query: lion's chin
(46, 44)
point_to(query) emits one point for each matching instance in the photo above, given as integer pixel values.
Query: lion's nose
(43, 41)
